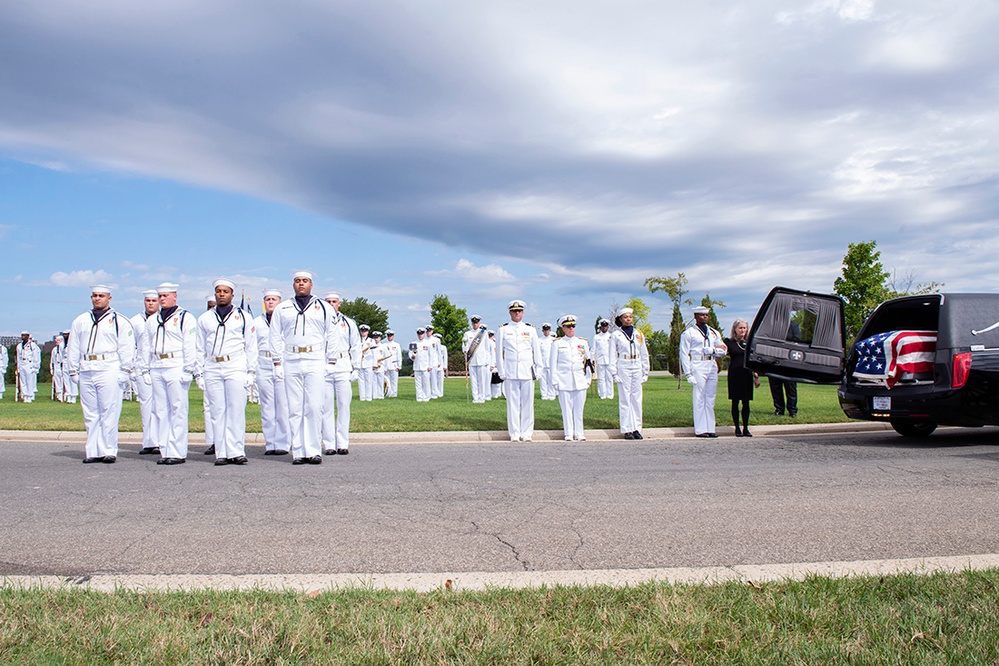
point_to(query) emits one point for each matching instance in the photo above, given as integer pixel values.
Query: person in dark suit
(741, 380)
(779, 388)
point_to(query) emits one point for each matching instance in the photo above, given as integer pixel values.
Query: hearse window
(920, 315)
(802, 326)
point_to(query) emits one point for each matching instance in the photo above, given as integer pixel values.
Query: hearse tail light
(961, 369)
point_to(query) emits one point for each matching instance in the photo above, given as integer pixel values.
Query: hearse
(917, 362)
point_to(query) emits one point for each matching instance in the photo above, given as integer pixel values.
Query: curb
(257, 439)
(479, 580)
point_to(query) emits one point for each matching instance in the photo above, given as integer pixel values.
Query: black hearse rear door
(800, 336)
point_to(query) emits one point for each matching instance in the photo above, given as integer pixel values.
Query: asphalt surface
(514, 510)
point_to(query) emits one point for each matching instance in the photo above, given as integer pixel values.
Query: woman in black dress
(741, 380)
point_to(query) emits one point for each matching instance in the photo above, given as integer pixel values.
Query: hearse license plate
(881, 403)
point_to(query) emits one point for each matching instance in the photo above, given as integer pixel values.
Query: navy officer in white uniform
(518, 362)
(150, 305)
(270, 387)
(100, 354)
(301, 333)
(700, 346)
(226, 344)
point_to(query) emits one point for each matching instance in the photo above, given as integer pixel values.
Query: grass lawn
(665, 406)
(904, 619)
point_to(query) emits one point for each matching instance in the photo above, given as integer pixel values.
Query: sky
(556, 152)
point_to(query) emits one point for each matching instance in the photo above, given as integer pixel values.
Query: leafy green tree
(710, 303)
(862, 285)
(676, 328)
(448, 320)
(658, 344)
(363, 312)
(673, 287)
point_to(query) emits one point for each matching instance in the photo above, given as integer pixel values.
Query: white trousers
(209, 427)
(225, 390)
(572, 403)
(170, 410)
(100, 394)
(72, 388)
(437, 382)
(273, 409)
(629, 399)
(392, 377)
(59, 384)
(3, 372)
(29, 383)
(519, 408)
(605, 383)
(495, 389)
(479, 376)
(704, 397)
(422, 378)
(337, 393)
(378, 390)
(145, 393)
(366, 384)
(303, 385)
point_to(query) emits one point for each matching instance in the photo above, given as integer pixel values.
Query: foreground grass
(905, 619)
(665, 405)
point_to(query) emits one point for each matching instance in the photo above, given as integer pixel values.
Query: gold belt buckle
(92, 357)
(220, 359)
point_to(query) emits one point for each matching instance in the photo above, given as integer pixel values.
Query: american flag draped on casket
(884, 357)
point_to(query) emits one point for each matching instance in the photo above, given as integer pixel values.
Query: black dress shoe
(279, 452)
(703, 435)
(210, 451)
(149, 450)
(711, 435)
(299, 461)
(342, 452)
(171, 461)
(777, 412)
(316, 460)
(738, 431)
(95, 459)
(629, 435)
(268, 453)
(637, 435)
(238, 460)
(221, 461)
(746, 433)
(109, 460)
(329, 452)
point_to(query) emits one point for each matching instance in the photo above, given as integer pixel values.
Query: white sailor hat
(150, 293)
(25, 333)
(389, 331)
(332, 294)
(625, 310)
(437, 335)
(272, 292)
(567, 319)
(100, 289)
(224, 282)
(167, 288)
(421, 330)
(492, 333)
(430, 327)
(364, 327)
(376, 334)
(516, 304)
(604, 322)
(475, 318)
(210, 298)
(302, 274)
(700, 309)
(545, 325)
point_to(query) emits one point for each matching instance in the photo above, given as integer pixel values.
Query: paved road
(503, 507)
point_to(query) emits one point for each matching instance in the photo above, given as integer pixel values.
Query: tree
(862, 285)
(448, 320)
(710, 303)
(673, 287)
(363, 312)
(658, 344)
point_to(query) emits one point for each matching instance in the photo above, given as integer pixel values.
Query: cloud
(80, 278)
(466, 270)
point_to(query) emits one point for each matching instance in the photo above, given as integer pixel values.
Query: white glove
(645, 378)
(279, 372)
(353, 375)
(199, 380)
(249, 381)
(147, 379)
(123, 379)
(690, 378)
(616, 379)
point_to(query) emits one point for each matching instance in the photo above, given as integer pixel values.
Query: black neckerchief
(267, 316)
(222, 313)
(96, 315)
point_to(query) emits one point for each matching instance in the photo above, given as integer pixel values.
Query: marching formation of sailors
(300, 356)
